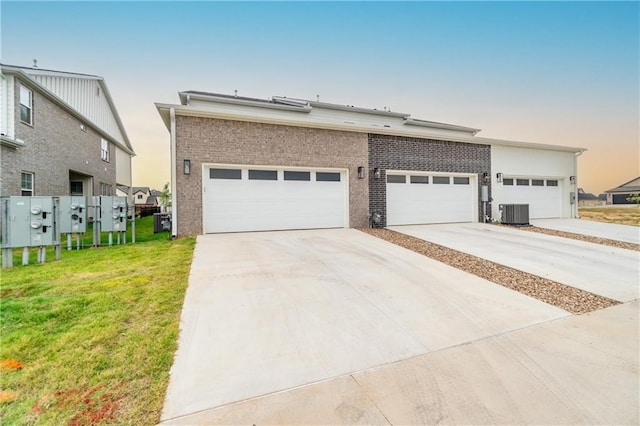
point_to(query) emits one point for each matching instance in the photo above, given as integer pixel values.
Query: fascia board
(61, 103)
(193, 112)
(112, 106)
(423, 123)
(215, 99)
(357, 109)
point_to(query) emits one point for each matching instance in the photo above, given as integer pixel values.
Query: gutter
(575, 173)
(174, 203)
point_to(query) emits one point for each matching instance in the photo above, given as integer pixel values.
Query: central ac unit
(515, 214)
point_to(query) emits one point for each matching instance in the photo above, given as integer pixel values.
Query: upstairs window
(26, 105)
(104, 150)
(26, 183)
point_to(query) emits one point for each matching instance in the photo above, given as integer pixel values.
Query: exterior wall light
(376, 173)
(360, 172)
(485, 177)
(572, 179)
(499, 177)
(186, 167)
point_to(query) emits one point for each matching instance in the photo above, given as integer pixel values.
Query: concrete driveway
(607, 271)
(612, 231)
(294, 314)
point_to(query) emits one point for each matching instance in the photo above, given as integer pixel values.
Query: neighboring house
(587, 199)
(619, 194)
(247, 164)
(60, 134)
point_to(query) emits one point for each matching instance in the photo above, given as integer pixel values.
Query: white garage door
(543, 196)
(239, 199)
(414, 198)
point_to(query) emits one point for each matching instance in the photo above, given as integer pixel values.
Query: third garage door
(415, 198)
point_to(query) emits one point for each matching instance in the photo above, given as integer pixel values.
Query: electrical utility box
(114, 214)
(16, 228)
(43, 221)
(73, 214)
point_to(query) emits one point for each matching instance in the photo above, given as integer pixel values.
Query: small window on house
(104, 150)
(327, 177)
(460, 180)
(537, 182)
(106, 189)
(441, 180)
(507, 181)
(26, 105)
(263, 175)
(551, 182)
(76, 187)
(26, 183)
(419, 179)
(139, 197)
(522, 182)
(297, 175)
(396, 179)
(225, 174)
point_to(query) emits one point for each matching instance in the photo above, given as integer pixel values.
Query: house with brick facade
(60, 134)
(249, 164)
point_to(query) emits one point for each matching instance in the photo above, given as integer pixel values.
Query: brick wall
(54, 145)
(206, 140)
(414, 154)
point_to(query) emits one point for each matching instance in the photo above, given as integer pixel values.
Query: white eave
(13, 143)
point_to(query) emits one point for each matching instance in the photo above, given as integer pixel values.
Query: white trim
(174, 165)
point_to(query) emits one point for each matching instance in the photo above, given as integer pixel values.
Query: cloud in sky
(562, 73)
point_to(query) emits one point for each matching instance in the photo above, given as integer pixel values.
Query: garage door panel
(261, 205)
(544, 201)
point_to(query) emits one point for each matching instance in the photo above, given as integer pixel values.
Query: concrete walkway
(607, 271)
(612, 231)
(576, 370)
(274, 311)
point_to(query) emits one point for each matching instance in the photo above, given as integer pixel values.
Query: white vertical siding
(7, 104)
(87, 97)
(123, 167)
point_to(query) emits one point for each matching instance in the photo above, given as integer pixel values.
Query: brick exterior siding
(207, 140)
(54, 145)
(415, 154)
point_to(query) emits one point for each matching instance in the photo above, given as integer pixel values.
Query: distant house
(60, 134)
(143, 198)
(619, 194)
(586, 199)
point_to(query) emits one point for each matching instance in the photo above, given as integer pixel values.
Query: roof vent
(35, 63)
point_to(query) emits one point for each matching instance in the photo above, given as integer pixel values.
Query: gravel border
(580, 237)
(563, 296)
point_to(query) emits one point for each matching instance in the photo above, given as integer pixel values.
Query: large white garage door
(543, 196)
(239, 199)
(414, 198)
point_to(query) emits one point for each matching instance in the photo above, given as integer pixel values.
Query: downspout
(174, 204)
(575, 173)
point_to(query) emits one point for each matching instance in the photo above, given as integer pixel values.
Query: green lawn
(95, 332)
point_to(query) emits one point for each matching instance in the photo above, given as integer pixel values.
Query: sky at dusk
(564, 73)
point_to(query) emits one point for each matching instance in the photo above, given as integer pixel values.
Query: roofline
(51, 72)
(60, 102)
(620, 186)
(186, 110)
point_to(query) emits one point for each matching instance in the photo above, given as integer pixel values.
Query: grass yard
(90, 339)
(621, 215)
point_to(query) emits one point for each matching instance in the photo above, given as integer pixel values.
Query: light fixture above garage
(360, 172)
(572, 179)
(499, 177)
(376, 173)
(186, 167)
(485, 177)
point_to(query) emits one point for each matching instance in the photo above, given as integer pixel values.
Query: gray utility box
(73, 214)
(30, 221)
(114, 214)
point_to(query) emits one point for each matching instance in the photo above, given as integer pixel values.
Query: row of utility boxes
(39, 221)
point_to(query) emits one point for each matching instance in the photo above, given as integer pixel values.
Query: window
(552, 182)
(522, 182)
(26, 105)
(76, 187)
(537, 182)
(297, 175)
(396, 179)
(139, 197)
(507, 181)
(460, 180)
(27, 183)
(441, 180)
(105, 189)
(104, 150)
(263, 175)
(225, 174)
(419, 179)
(327, 177)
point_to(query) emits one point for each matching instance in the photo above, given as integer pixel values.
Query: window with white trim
(104, 150)
(26, 183)
(26, 105)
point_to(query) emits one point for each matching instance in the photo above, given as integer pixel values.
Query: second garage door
(543, 195)
(415, 198)
(237, 199)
